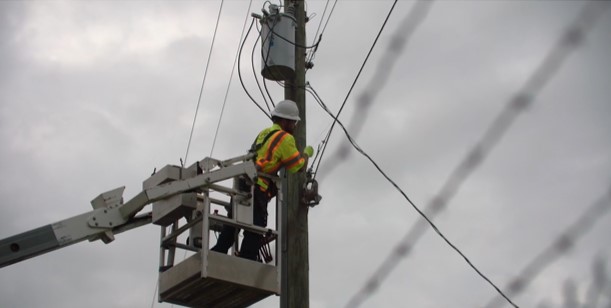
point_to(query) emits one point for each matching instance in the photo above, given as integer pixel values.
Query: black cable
(313, 52)
(403, 250)
(252, 58)
(322, 18)
(268, 94)
(323, 143)
(252, 62)
(572, 38)
(293, 43)
(353, 84)
(328, 18)
(240, 71)
(324, 107)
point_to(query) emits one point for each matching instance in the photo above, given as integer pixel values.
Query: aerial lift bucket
(208, 278)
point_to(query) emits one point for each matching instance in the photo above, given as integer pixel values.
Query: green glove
(309, 151)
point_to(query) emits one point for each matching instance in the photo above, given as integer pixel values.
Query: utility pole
(296, 292)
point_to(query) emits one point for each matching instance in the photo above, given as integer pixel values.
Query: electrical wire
(570, 39)
(268, 94)
(218, 125)
(353, 84)
(240, 73)
(271, 99)
(155, 294)
(399, 39)
(322, 19)
(293, 43)
(252, 61)
(320, 102)
(312, 53)
(403, 249)
(201, 91)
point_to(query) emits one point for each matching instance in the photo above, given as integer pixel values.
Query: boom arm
(110, 215)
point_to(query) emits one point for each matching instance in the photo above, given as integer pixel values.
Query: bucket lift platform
(208, 278)
(229, 282)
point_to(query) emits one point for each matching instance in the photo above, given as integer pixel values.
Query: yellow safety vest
(275, 152)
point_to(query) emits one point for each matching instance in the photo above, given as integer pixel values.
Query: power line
(353, 84)
(328, 18)
(401, 250)
(525, 97)
(218, 125)
(560, 246)
(201, 91)
(255, 75)
(322, 19)
(312, 52)
(240, 71)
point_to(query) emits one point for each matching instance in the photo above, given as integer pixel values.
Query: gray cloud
(95, 95)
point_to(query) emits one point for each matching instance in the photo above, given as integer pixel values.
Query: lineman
(275, 149)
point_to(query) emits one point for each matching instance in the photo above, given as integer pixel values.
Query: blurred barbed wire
(559, 247)
(398, 41)
(571, 38)
(598, 295)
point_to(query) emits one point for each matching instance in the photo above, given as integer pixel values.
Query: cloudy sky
(95, 95)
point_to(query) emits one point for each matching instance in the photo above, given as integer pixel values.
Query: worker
(275, 149)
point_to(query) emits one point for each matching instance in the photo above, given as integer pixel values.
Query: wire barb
(352, 87)
(479, 152)
(563, 243)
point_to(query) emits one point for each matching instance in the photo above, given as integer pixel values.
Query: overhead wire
(252, 59)
(402, 250)
(322, 19)
(218, 125)
(329, 18)
(240, 72)
(353, 84)
(312, 52)
(201, 91)
(569, 40)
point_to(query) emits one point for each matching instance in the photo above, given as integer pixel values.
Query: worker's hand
(308, 151)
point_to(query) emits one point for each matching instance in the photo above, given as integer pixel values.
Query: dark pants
(252, 241)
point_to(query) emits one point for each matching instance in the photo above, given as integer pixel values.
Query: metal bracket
(310, 195)
(109, 199)
(106, 218)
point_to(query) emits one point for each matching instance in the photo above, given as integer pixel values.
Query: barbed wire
(559, 247)
(311, 90)
(399, 39)
(569, 40)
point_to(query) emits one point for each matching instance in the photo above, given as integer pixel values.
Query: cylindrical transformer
(278, 46)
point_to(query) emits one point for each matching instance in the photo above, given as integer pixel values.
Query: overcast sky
(95, 95)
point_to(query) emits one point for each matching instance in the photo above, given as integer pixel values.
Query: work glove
(308, 151)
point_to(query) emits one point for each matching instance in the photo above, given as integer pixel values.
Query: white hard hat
(286, 109)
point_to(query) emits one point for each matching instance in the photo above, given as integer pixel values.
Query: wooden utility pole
(296, 292)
